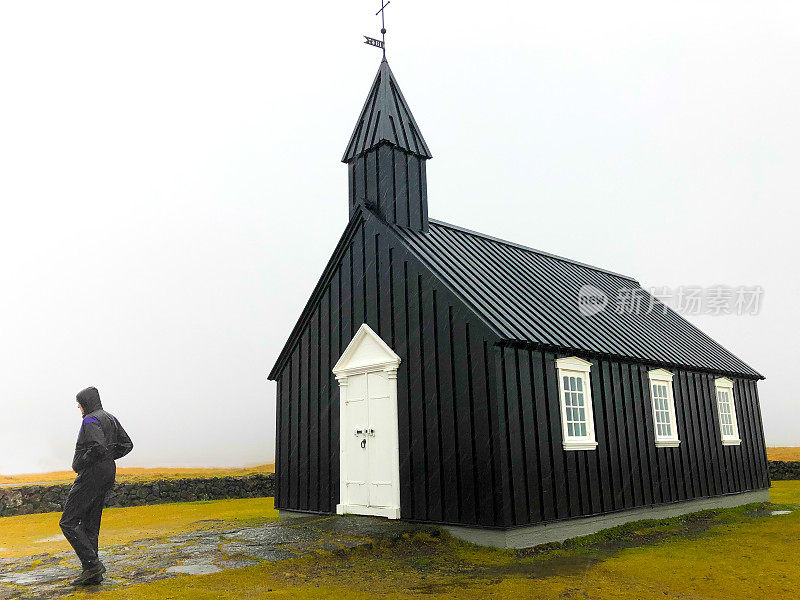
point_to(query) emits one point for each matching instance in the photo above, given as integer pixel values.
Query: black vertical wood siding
(444, 382)
(393, 183)
(626, 470)
(480, 421)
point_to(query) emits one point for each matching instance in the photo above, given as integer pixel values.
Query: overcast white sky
(171, 186)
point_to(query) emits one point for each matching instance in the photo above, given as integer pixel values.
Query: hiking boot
(90, 576)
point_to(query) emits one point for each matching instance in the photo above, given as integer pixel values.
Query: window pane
(662, 410)
(726, 415)
(575, 410)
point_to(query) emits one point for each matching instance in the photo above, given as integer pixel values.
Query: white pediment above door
(366, 351)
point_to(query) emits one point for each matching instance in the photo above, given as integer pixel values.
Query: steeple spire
(386, 156)
(386, 118)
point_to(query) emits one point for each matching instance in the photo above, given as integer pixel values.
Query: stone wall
(784, 469)
(25, 500)
(30, 499)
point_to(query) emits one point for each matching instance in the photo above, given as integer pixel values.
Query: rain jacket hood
(89, 400)
(101, 437)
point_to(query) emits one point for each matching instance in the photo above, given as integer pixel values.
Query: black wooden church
(442, 375)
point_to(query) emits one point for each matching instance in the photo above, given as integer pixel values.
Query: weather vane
(381, 43)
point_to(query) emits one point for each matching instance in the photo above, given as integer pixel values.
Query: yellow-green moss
(20, 535)
(735, 554)
(732, 554)
(785, 492)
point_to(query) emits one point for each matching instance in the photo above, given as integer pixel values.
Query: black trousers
(84, 510)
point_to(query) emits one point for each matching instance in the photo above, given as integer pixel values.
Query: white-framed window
(577, 418)
(726, 410)
(664, 421)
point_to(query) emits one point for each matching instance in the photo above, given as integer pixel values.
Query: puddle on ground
(557, 565)
(198, 569)
(209, 521)
(534, 569)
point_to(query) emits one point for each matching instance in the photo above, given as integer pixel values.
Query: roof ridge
(534, 250)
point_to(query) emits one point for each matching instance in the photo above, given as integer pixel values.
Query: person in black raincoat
(101, 441)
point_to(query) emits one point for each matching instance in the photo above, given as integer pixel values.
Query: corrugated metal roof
(385, 118)
(531, 296)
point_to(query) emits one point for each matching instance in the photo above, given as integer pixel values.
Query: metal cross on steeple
(382, 42)
(383, 24)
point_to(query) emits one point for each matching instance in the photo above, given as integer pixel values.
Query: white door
(369, 416)
(369, 456)
(356, 468)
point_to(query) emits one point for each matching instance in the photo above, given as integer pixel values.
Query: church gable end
(447, 422)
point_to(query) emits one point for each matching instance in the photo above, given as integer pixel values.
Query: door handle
(364, 443)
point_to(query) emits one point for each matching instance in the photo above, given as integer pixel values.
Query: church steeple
(386, 157)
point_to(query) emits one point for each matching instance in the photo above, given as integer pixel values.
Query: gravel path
(195, 553)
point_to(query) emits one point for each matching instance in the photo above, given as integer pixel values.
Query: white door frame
(380, 358)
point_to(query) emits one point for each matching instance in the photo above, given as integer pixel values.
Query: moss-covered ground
(36, 534)
(131, 474)
(785, 492)
(740, 553)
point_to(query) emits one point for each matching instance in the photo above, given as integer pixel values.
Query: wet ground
(211, 551)
(196, 553)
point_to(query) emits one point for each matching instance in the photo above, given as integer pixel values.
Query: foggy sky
(171, 187)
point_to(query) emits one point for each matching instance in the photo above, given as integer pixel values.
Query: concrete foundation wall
(558, 531)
